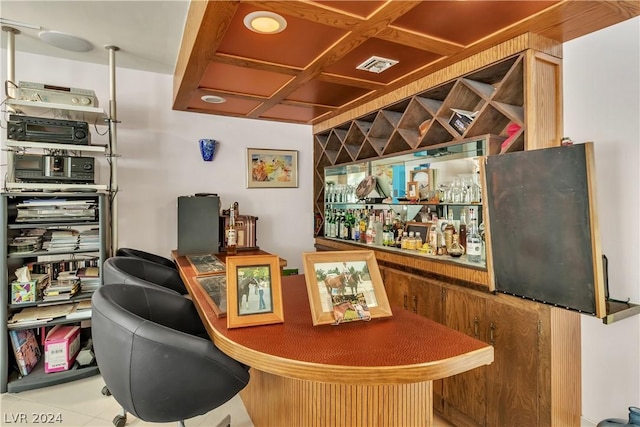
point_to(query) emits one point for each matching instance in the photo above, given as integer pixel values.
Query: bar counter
(375, 373)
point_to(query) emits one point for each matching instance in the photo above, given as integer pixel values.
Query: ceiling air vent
(376, 64)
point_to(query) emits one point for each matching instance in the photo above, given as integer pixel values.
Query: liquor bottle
(363, 225)
(433, 236)
(231, 232)
(474, 241)
(377, 230)
(370, 233)
(463, 228)
(449, 230)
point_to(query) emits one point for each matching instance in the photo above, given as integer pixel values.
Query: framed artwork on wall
(254, 293)
(331, 276)
(272, 168)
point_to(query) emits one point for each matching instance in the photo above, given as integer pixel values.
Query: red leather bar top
(402, 339)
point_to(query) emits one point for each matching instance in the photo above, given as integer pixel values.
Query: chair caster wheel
(119, 420)
(105, 391)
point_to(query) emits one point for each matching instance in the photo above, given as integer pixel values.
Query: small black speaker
(198, 224)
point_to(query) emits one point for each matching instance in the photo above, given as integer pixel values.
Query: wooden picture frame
(425, 179)
(215, 285)
(272, 168)
(413, 193)
(320, 265)
(254, 291)
(206, 264)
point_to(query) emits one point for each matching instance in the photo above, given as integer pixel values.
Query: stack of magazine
(60, 240)
(89, 279)
(63, 288)
(89, 239)
(55, 210)
(29, 240)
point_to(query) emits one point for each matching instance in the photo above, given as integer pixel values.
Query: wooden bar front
(377, 373)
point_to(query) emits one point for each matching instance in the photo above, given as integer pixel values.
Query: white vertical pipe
(113, 132)
(11, 81)
(11, 60)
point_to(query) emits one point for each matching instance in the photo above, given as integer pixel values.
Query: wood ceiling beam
(206, 24)
(419, 41)
(255, 64)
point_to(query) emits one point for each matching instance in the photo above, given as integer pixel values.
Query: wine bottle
(231, 233)
(474, 241)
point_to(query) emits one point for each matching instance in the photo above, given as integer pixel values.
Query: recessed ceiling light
(264, 22)
(65, 41)
(377, 64)
(213, 99)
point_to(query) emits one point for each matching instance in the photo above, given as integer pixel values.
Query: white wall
(160, 159)
(602, 104)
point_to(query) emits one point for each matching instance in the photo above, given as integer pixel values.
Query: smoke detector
(377, 64)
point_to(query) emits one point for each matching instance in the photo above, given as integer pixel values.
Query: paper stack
(60, 240)
(66, 286)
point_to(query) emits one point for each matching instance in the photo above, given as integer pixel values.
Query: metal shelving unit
(105, 194)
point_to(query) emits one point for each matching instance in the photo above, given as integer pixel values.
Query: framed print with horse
(331, 276)
(272, 168)
(254, 292)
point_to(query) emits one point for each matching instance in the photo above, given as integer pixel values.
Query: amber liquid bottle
(232, 238)
(462, 229)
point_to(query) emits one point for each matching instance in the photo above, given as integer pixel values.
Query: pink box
(61, 346)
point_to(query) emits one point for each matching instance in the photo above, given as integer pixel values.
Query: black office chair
(138, 271)
(137, 253)
(148, 353)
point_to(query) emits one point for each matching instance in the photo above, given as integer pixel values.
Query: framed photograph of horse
(332, 275)
(272, 168)
(254, 292)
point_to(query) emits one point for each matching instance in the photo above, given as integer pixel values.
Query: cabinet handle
(415, 304)
(405, 302)
(492, 328)
(476, 324)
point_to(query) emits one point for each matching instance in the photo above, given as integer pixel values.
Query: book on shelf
(26, 349)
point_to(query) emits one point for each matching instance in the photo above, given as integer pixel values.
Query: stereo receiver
(38, 129)
(41, 92)
(48, 168)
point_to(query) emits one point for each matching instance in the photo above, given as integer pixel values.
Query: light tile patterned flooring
(80, 403)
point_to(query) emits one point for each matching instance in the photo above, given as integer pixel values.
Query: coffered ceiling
(307, 73)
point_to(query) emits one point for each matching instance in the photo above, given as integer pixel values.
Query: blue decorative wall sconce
(208, 149)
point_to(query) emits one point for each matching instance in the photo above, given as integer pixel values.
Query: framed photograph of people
(332, 275)
(272, 168)
(254, 293)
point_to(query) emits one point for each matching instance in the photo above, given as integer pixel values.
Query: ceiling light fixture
(65, 41)
(264, 22)
(377, 64)
(213, 99)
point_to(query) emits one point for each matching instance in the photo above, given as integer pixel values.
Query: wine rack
(494, 93)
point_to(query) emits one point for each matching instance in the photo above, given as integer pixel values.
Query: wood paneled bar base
(273, 400)
(376, 373)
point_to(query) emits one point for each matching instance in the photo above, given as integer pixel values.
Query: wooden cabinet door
(512, 386)
(425, 298)
(396, 283)
(465, 394)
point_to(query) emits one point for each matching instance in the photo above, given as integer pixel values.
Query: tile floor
(80, 403)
